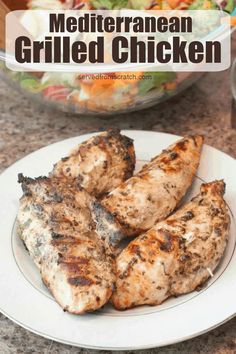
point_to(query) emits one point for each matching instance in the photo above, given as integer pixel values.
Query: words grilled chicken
(55, 224)
(176, 255)
(154, 192)
(99, 164)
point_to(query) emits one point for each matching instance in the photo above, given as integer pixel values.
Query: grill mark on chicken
(80, 281)
(177, 255)
(107, 227)
(188, 216)
(155, 191)
(99, 164)
(167, 242)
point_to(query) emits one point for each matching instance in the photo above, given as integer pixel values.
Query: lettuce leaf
(155, 80)
(140, 4)
(109, 4)
(29, 82)
(200, 5)
(230, 6)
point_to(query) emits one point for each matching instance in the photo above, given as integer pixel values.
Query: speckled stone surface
(205, 108)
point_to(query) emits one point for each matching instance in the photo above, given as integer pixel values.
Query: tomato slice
(57, 92)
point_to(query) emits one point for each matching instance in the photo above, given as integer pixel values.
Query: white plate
(25, 300)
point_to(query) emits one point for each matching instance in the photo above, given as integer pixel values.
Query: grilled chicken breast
(55, 224)
(154, 192)
(99, 164)
(176, 255)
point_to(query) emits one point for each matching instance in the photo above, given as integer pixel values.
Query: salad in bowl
(111, 92)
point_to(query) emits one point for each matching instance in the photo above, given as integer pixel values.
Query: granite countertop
(205, 109)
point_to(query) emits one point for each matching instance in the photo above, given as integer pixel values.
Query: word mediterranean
(97, 23)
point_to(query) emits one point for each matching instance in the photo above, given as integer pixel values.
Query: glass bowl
(102, 94)
(98, 95)
(233, 79)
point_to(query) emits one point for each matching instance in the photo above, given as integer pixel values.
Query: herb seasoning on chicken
(99, 164)
(154, 192)
(176, 255)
